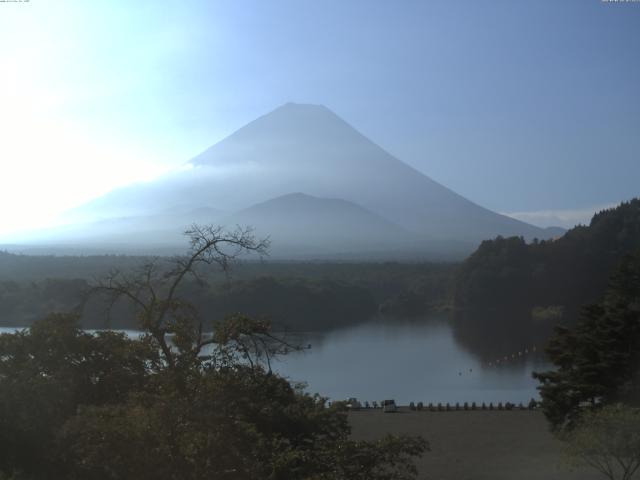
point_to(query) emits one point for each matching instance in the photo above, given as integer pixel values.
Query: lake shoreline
(406, 361)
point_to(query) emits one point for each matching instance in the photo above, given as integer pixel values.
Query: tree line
(509, 289)
(570, 271)
(295, 296)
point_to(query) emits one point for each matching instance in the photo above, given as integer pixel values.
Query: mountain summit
(309, 149)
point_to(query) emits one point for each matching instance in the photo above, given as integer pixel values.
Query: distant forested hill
(294, 295)
(569, 271)
(510, 294)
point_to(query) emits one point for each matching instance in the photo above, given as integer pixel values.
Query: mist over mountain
(352, 194)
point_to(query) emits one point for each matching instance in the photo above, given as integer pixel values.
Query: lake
(409, 361)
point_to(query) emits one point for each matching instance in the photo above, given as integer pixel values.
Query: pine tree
(598, 361)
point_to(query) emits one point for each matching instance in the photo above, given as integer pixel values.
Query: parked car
(389, 406)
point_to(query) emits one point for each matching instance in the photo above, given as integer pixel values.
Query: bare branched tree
(243, 339)
(153, 288)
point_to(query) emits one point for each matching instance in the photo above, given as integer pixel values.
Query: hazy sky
(521, 106)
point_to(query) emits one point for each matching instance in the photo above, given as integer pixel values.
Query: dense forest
(569, 271)
(598, 360)
(293, 295)
(510, 292)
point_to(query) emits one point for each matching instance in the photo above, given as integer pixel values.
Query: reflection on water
(404, 360)
(408, 361)
(496, 332)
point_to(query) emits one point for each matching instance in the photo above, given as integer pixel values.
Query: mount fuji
(313, 183)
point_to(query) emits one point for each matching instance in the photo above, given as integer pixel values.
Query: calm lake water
(407, 361)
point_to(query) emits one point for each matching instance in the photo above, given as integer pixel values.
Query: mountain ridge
(318, 225)
(308, 148)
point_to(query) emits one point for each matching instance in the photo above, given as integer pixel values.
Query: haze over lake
(407, 361)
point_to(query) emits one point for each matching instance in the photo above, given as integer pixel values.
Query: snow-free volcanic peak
(309, 149)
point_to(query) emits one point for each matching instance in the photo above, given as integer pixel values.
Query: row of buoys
(449, 407)
(473, 406)
(510, 358)
(505, 359)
